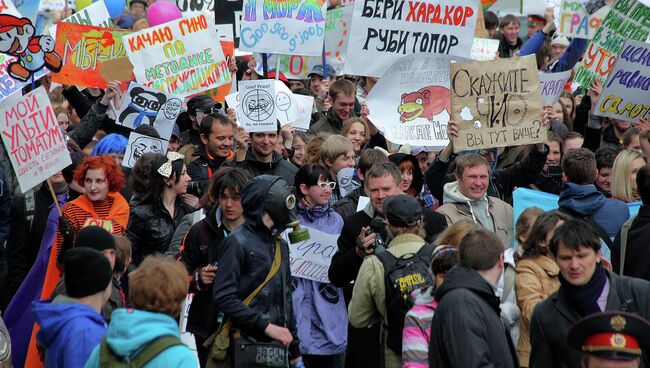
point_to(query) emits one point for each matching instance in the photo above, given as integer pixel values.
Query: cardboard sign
(337, 29)
(32, 137)
(305, 108)
(383, 32)
(496, 103)
(626, 94)
(411, 103)
(480, 31)
(283, 27)
(140, 144)
(551, 85)
(9, 85)
(83, 50)
(228, 12)
(142, 105)
(626, 20)
(484, 49)
(183, 56)
(310, 259)
(257, 110)
(94, 14)
(574, 20)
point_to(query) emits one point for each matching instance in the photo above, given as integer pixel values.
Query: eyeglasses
(324, 185)
(211, 110)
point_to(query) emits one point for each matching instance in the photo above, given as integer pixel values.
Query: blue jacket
(569, 58)
(69, 331)
(131, 330)
(320, 304)
(586, 200)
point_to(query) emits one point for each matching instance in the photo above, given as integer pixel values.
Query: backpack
(108, 359)
(402, 276)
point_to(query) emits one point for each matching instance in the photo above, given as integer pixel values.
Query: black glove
(66, 231)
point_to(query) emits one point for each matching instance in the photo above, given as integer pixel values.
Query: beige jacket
(368, 304)
(536, 279)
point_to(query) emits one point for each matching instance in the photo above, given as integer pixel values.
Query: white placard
(310, 259)
(484, 49)
(257, 110)
(142, 105)
(574, 20)
(551, 85)
(139, 144)
(305, 108)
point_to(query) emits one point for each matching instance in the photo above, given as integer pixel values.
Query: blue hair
(112, 143)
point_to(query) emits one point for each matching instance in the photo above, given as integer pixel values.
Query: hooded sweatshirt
(69, 331)
(131, 331)
(478, 208)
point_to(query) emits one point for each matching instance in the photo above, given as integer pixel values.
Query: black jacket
(554, 316)
(278, 167)
(201, 168)
(150, 229)
(247, 255)
(466, 330)
(502, 181)
(201, 247)
(347, 205)
(637, 252)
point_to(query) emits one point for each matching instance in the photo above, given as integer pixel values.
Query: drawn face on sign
(172, 108)
(283, 101)
(424, 103)
(143, 145)
(258, 105)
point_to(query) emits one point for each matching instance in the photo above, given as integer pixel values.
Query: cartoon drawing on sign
(283, 102)
(424, 103)
(144, 104)
(258, 105)
(172, 108)
(142, 145)
(18, 39)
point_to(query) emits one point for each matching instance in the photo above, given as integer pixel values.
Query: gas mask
(280, 204)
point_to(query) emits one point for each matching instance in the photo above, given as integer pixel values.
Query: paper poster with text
(411, 102)
(32, 138)
(385, 31)
(496, 103)
(257, 105)
(310, 259)
(83, 50)
(143, 105)
(283, 27)
(94, 14)
(551, 85)
(574, 20)
(627, 20)
(626, 93)
(183, 56)
(484, 49)
(226, 38)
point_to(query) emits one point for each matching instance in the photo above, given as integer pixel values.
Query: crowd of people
(430, 266)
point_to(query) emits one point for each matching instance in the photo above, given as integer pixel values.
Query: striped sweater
(417, 330)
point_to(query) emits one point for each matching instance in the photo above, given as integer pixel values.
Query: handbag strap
(624, 231)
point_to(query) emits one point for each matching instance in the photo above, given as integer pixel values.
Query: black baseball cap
(402, 210)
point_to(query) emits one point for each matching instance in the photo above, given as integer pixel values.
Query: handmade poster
(143, 105)
(551, 85)
(140, 144)
(226, 38)
(484, 49)
(496, 103)
(516, 6)
(8, 84)
(283, 27)
(574, 20)
(626, 94)
(94, 14)
(337, 30)
(310, 259)
(305, 107)
(83, 49)
(257, 105)
(195, 6)
(626, 20)
(183, 56)
(411, 102)
(51, 5)
(8, 7)
(227, 12)
(232, 101)
(32, 137)
(383, 32)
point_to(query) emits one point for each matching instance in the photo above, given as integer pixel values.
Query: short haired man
(198, 107)
(636, 241)
(605, 158)
(466, 199)
(559, 44)
(342, 95)
(262, 159)
(572, 140)
(71, 326)
(598, 136)
(581, 199)
(586, 287)
(356, 242)
(631, 139)
(611, 339)
(368, 305)
(466, 330)
(509, 38)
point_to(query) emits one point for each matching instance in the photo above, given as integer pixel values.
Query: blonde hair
(187, 151)
(122, 254)
(334, 146)
(621, 184)
(454, 234)
(525, 222)
(347, 125)
(159, 285)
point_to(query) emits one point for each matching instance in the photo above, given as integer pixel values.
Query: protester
(157, 291)
(337, 154)
(627, 164)
(559, 44)
(189, 123)
(113, 145)
(202, 248)
(318, 303)
(571, 141)
(586, 287)
(605, 158)
(466, 330)
(569, 103)
(509, 41)
(537, 275)
(299, 146)
(71, 326)
(356, 130)
(261, 158)
(153, 220)
(550, 179)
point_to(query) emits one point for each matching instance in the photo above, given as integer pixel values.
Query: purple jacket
(319, 308)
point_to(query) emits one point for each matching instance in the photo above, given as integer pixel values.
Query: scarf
(585, 298)
(141, 114)
(312, 212)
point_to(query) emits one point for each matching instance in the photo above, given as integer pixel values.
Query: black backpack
(402, 276)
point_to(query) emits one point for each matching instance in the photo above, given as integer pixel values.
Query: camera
(195, 188)
(554, 170)
(377, 226)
